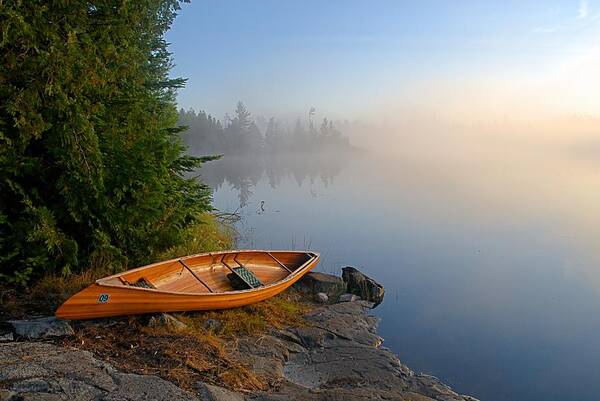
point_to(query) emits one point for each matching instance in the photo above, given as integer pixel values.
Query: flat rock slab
(41, 328)
(40, 371)
(338, 357)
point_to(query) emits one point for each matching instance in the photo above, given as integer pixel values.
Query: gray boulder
(321, 298)
(315, 282)
(41, 328)
(362, 285)
(349, 298)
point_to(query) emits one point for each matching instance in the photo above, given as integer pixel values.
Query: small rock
(164, 319)
(6, 337)
(41, 328)
(349, 298)
(31, 386)
(315, 282)
(213, 325)
(6, 395)
(209, 392)
(322, 298)
(362, 285)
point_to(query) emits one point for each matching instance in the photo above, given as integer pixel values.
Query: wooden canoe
(197, 282)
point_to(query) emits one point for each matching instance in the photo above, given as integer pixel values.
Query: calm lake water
(490, 262)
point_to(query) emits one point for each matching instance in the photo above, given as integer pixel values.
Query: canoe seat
(143, 283)
(243, 279)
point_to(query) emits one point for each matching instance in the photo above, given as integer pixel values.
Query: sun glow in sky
(357, 59)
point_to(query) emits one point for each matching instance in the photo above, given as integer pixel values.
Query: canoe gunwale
(314, 257)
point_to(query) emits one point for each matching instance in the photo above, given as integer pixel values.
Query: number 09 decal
(103, 298)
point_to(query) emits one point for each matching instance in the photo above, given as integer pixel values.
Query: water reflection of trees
(304, 151)
(244, 172)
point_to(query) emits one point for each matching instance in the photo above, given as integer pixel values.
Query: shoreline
(337, 355)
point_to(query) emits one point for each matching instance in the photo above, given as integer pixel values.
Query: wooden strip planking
(178, 291)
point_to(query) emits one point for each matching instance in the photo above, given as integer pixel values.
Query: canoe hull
(99, 300)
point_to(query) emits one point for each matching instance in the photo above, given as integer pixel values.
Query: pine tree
(242, 117)
(272, 137)
(91, 167)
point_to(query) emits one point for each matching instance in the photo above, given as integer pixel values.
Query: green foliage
(91, 167)
(210, 234)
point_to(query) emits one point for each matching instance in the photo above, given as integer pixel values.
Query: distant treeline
(240, 134)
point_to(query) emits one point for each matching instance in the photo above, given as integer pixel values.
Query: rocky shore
(336, 356)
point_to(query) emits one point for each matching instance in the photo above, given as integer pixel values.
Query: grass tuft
(49, 292)
(211, 234)
(46, 295)
(283, 310)
(183, 357)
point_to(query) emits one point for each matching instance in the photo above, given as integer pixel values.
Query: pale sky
(381, 59)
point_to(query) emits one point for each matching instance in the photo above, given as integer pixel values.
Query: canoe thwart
(195, 275)
(279, 262)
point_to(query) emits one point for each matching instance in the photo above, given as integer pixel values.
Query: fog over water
(485, 238)
(473, 194)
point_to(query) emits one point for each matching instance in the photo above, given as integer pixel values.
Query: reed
(214, 233)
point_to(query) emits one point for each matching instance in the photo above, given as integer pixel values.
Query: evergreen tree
(90, 160)
(311, 127)
(325, 127)
(299, 139)
(242, 117)
(272, 136)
